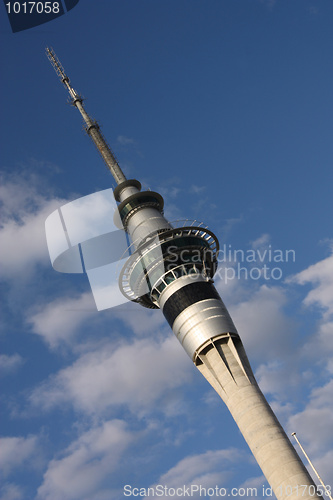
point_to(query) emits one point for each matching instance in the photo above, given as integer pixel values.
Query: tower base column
(224, 364)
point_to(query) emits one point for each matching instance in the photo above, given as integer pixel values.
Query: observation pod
(156, 275)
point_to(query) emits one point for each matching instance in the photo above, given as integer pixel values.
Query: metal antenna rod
(92, 126)
(312, 466)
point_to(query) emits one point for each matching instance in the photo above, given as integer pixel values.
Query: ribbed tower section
(172, 268)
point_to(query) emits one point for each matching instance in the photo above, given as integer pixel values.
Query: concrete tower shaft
(202, 324)
(171, 268)
(224, 364)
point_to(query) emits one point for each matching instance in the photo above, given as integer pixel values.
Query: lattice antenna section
(91, 125)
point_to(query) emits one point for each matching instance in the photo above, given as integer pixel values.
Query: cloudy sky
(224, 107)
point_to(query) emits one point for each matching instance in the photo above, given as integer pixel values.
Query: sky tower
(172, 268)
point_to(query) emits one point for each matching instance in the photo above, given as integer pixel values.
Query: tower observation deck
(172, 268)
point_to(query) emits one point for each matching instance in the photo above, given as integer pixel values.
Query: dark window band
(185, 297)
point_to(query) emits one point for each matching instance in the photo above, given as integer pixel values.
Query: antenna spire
(92, 126)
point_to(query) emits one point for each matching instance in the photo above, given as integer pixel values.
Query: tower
(172, 268)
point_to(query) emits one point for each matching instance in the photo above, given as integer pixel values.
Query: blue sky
(225, 108)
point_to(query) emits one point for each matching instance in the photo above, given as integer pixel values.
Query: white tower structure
(158, 276)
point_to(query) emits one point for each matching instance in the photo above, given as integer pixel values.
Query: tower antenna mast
(92, 127)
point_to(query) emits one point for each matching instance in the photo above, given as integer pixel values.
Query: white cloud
(197, 189)
(229, 224)
(125, 141)
(254, 487)
(320, 275)
(10, 363)
(192, 467)
(261, 242)
(169, 192)
(16, 451)
(10, 491)
(206, 470)
(22, 234)
(140, 320)
(135, 375)
(172, 211)
(58, 322)
(19, 194)
(323, 465)
(320, 344)
(279, 378)
(314, 424)
(23, 243)
(87, 462)
(90, 216)
(330, 361)
(262, 324)
(325, 335)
